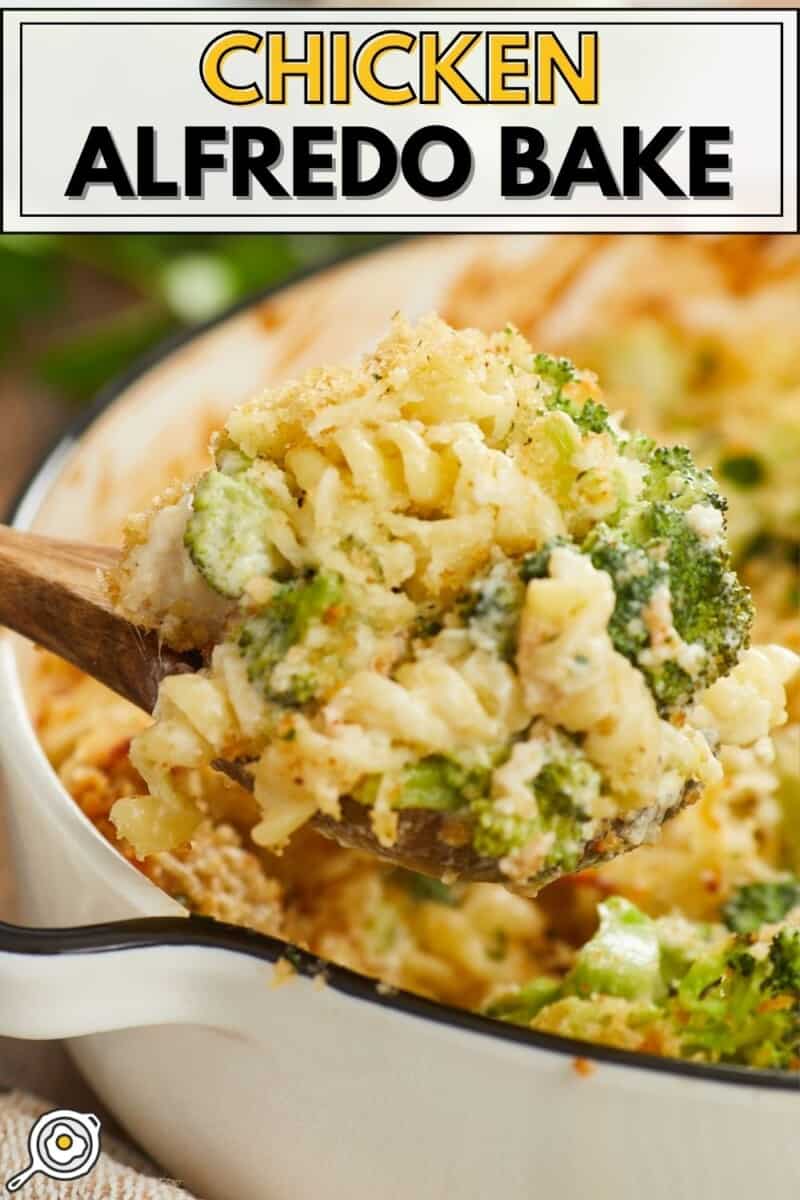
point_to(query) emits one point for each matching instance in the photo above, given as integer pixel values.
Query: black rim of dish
(205, 932)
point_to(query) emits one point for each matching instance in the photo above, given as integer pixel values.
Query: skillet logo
(61, 1145)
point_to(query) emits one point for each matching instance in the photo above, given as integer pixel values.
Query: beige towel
(115, 1177)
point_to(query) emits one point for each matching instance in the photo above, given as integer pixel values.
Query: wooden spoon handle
(53, 592)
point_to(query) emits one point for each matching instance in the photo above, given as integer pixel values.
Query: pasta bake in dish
(687, 946)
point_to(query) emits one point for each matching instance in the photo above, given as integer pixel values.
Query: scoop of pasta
(446, 581)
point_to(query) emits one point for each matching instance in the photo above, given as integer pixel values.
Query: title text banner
(557, 120)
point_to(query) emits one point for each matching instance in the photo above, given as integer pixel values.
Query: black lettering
(411, 162)
(639, 160)
(88, 171)
(585, 144)
(353, 138)
(198, 160)
(255, 151)
(522, 149)
(146, 182)
(701, 161)
(305, 161)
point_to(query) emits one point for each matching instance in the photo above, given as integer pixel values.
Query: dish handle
(65, 983)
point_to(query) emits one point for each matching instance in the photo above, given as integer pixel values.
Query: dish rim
(206, 932)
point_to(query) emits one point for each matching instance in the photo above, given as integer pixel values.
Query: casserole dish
(248, 1090)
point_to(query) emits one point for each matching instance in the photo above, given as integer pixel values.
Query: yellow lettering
(440, 67)
(367, 60)
(280, 68)
(340, 68)
(501, 68)
(551, 57)
(215, 54)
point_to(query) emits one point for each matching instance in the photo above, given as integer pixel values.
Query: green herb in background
(165, 282)
(30, 285)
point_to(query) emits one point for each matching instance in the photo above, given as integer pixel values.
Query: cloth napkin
(118, 1174)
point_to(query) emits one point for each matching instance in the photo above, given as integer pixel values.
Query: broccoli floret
(758, 904)
(556, 371)
(622, 959)
(428, 621)
(442, 783)
(227, 532)
(784, 959)
(497, 833)
(536, 564)
(709, 604)
(436, 782)
(565, 789)
(491, 608)
(735, 1006)
(653, 545)
(635, 575)
(674, 479)
(744, 471)
(589, 416)
(265, 638)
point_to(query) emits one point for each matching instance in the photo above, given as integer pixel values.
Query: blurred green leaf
(80, 365)
(29, 243)
(171, 280)
(29, 284)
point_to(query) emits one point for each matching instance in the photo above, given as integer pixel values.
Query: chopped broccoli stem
(231, 460)
(733, 1000)
(622, 959)
(758, 904)
(264, 639)
(521, 1005)
(227, 534)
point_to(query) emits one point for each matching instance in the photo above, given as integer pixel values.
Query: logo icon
(61, 1145)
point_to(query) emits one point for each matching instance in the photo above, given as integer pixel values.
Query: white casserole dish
(248, 1092)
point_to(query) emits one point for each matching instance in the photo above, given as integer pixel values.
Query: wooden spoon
(52, 592)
